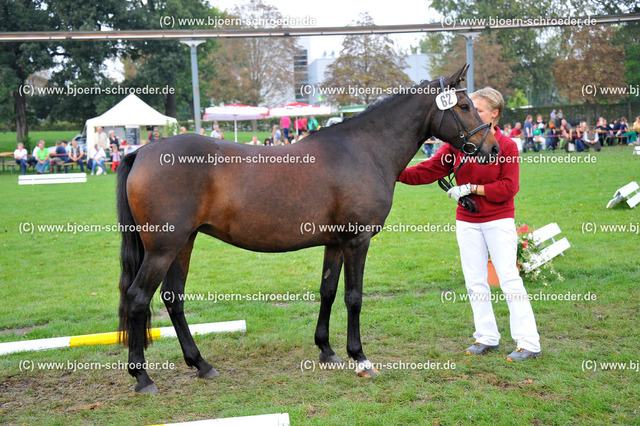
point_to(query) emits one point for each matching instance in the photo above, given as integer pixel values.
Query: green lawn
(60, 284)
(8, 139)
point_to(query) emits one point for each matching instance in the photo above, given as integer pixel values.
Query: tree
(166, 63)
(23, 59)
(80, 65)
(368, 65)
(590, 68)
(491, 67)
(526, 53)
(252, 71)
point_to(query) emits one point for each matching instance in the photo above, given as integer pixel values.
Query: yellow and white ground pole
(111, 338)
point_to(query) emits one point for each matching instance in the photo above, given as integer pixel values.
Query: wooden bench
(61, 166)
(11, 166)
(540, 236)
(51, 178)
(630, 192)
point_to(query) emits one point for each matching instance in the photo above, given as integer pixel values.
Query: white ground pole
(279, 419)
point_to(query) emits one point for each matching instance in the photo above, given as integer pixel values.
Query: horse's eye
(464, 107)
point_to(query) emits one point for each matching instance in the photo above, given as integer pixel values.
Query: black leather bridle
(469, 149)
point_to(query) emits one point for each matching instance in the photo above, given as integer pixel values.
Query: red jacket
(501, 179)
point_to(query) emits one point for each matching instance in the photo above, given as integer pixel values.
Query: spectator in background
(154, 135)
(312, 124)
(65, 157)
(101, 138)
(551, 140)
(285, 124)
(97, 159)
(42, 156)
(427, 147)
(577, 139)
(21, 156)
(566, 133)
(33, 159)
(552, 117)
(614, 131)
(560, 116)
(626, 135)
(506, 129)
(75, 154)
(268, 142)
(114, 141)
(540, 120)
(538, 137)
(57, 157)
(636, 128)
(276, 135)
(516, 135)
(254, 140)
(183, 130)
(128, 148)
(298, 127)
(590, 137)
(216, 133)
(202, 132)
(115, 159)
(528, 133)
(602, 130)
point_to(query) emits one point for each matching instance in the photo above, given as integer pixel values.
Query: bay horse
(351, 180)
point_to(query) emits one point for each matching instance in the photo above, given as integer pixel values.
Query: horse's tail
(131, 250)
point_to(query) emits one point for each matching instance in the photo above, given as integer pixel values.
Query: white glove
(458, 192)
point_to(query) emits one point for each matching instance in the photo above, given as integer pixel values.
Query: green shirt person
(43, 158)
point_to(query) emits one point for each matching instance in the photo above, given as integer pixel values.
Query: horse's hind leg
(172, 293)
(153, 268)
(330, 276)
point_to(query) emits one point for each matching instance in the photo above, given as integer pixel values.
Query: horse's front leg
(330, 277)
(355, 256)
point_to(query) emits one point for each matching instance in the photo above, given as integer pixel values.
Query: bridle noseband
(468, 148)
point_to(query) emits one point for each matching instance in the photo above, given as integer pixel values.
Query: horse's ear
(458, 76)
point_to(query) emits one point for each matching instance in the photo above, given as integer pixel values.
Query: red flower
(523, 229)
(525, 244)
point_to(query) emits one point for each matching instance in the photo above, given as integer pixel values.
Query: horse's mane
(377, 104)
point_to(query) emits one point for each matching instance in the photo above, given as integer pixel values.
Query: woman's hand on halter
(458, 192)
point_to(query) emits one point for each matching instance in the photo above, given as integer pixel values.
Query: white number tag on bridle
(446, 99)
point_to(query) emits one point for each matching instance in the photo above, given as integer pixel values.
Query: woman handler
(490, 230)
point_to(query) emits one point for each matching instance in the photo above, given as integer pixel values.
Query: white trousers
(499, 237)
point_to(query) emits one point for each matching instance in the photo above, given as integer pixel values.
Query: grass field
(59, 284)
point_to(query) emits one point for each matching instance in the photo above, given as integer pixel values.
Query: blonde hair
(492, 97)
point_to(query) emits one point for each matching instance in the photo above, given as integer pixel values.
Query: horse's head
(457, 122)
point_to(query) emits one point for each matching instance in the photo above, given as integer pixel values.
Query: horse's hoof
(369, 372)
(366, 369)
(331, 359)
(209, 374)
(150, 389)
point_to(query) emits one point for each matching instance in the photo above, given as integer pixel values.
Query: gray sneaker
(522, 355)
(480, 349)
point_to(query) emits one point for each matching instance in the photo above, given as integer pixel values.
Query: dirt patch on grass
(21, 331)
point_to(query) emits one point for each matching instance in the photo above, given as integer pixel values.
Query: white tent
(131, 112)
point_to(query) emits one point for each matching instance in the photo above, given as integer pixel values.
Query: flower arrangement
(527, 249)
